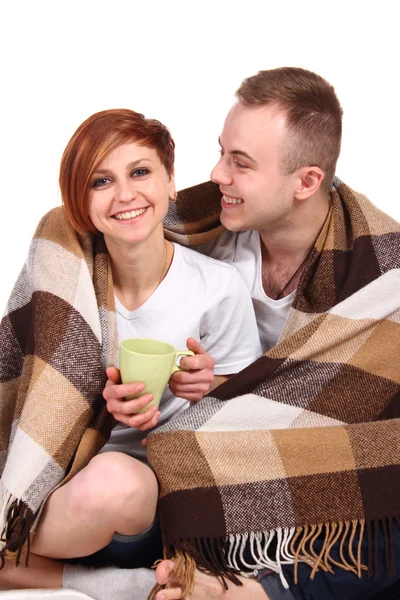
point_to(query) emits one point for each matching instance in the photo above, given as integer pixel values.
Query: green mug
(151, 362)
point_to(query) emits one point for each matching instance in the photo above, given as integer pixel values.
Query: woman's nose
(125, 191)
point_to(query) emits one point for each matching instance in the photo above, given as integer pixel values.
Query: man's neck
(285, 251)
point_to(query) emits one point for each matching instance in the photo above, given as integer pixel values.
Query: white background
(180, 62)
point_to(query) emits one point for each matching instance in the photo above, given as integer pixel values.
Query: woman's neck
(138, 270)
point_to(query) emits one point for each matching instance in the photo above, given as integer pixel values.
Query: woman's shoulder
(52, 221)
(54, 227)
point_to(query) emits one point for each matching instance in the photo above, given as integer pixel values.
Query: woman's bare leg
(41, 573)
(114, 493)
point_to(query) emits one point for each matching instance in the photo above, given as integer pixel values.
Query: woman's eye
(102, 181)
(140, 172)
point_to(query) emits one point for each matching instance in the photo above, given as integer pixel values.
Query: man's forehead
(253, 124)
(262, 114)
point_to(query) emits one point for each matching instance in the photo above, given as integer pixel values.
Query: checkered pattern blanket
(304, 444)
(57, 337)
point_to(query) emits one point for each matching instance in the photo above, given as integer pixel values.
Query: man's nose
(221, 174)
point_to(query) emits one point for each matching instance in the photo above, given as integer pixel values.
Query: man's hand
(197, 376)
(123, 410)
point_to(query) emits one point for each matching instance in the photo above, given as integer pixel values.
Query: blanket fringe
(323, 546)
(207, 555)
(15, 530)
(184, 572)
(303, 547)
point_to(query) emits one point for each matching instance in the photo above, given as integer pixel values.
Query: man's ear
(309, 180)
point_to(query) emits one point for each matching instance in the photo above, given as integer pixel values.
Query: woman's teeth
(229, 200)
(125, 216)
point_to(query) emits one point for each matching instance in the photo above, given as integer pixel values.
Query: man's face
(256, 195)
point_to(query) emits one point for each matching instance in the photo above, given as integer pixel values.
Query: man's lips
(232, 200)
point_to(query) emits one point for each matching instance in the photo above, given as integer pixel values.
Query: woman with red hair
(99, 272)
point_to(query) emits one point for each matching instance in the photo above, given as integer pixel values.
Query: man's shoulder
(210, 275)
(374, 220)
(196, 259)
(228, 244)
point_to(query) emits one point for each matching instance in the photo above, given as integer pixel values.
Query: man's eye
(102, 181)
(140, 172)
(221, 152)
(239, 165)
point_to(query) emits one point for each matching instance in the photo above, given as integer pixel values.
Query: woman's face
(128, 193)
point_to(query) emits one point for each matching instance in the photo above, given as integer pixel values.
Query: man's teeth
(125, 216)
(229, 200)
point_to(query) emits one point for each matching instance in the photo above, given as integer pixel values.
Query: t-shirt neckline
(155, 297)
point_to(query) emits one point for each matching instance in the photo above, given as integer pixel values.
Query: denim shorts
(128, 551)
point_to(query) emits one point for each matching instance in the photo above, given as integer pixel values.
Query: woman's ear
(172, 189)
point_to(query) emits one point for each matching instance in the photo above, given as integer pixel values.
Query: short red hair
(92, 142)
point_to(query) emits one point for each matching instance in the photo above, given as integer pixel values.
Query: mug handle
(180, 354)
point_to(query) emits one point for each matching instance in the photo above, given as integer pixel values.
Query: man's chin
(231, 224)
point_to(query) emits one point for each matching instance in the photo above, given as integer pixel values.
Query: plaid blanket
(57, 337)
(302, 446)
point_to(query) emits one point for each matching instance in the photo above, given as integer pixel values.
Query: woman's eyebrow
(132, 164)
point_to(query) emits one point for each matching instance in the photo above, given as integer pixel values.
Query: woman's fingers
(114, 391)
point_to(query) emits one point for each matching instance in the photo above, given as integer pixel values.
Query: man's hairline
(281, 110)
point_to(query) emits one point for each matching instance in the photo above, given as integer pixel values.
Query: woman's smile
(129, 216)
(130, 188)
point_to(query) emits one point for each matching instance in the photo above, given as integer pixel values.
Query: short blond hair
(313, 116)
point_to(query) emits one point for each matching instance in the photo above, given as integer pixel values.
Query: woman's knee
(112, 483)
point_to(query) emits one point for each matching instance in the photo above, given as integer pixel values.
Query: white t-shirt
(243, 250)
(200, 298)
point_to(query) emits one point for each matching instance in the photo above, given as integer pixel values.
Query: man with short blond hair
(311, 252)
(313, 116)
